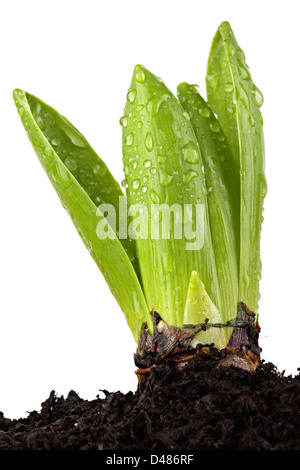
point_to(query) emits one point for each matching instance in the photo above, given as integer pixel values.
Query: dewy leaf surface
(162, 165)
(81, 160)
(236, 100)
(222, 181)
(82, 182)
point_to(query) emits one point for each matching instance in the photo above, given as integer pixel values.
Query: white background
(60, 327)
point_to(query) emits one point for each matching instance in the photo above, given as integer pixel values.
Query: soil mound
(206, 408)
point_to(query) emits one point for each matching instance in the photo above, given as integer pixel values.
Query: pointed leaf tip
(199, 308)
(230, 88)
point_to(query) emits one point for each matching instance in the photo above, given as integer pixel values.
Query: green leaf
(222, 180)
(162, 165)
(236, 100)
(82, 161)
(82, 182)
(200, 309)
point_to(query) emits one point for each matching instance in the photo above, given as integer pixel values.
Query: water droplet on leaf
(140, 76)
(56, 142)
(131, 95)
(21, 110)
(71, 164)
(149, 142)
(164, 178)
(40, 123)
(76, 138)
(124, 121)
(213, 81)
(189, 175)
(99, 170)
(204, 112)
(215, 127)
(129, 139)
(154, 196)
(191, 152)
(228, 87)
(135, 184)
(161, 158)
(258, 96)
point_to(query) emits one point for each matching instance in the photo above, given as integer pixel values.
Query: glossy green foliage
(163, 166)
(236, 100)
(186, 239)
(83, 182)
(222, 180)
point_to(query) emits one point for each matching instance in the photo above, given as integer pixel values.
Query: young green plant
(236, 100)
(184, 239)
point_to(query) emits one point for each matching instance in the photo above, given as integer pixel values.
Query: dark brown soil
(205, 408)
